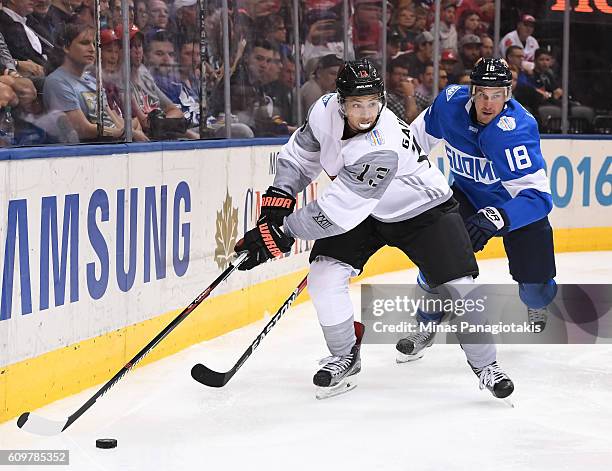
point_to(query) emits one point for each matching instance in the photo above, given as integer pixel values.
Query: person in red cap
(110, 52)
(522, 36)
(110, 57)
(448, 59)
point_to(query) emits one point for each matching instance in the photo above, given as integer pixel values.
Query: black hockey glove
(486, 223)
(265, 241)
(276, 205)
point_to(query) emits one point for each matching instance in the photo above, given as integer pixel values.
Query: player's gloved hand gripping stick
(41, 426)
(267, 240)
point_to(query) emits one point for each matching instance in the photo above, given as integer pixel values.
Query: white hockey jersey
(529, 48)
(381, 173)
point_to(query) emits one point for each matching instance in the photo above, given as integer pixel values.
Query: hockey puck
(106, 443)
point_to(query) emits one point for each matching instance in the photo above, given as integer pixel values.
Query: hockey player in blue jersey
(493, 148)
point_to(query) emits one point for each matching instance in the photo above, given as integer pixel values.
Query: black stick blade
(203, 374)
(23, 418)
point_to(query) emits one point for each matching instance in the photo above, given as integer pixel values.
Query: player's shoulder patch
(450, 91)
(375, 137)
(506, 123)
(326, 98)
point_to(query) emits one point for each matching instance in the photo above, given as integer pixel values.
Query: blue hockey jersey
(499, 164)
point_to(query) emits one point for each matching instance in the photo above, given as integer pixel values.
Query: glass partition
(261, 47)
(322, 37)
(213, 106)
(539, 66)
(51, 89)
(67, 84)
(590, 69)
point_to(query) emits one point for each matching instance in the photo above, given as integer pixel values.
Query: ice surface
(425, 415)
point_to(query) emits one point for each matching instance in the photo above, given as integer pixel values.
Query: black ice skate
(412, 347)
(337, 376)
(537, 317)
(495, 380)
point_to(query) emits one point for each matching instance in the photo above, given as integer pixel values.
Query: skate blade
(403, 358)
(344, 386)
(508, 401)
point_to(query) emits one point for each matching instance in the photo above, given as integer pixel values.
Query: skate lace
(536, 315)
(491, 375)
(336, 364)
(419, 337)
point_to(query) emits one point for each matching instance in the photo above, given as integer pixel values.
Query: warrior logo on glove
(265, 241)
(276, 205)
(277, 202)
(269, 240)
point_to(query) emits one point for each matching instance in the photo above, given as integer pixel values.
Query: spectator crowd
(50, 82)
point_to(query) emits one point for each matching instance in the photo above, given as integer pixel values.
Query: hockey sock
(340, 338)
(537, 295)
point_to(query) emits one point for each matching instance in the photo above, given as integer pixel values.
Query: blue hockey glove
(486, 223)
(265, 241)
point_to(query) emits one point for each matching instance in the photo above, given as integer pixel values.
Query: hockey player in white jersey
(500, 181)
(384, 192)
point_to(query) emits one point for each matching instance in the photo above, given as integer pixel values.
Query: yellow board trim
(32, 383)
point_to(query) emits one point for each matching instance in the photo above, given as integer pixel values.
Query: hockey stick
(208, 377)
(39, 425)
